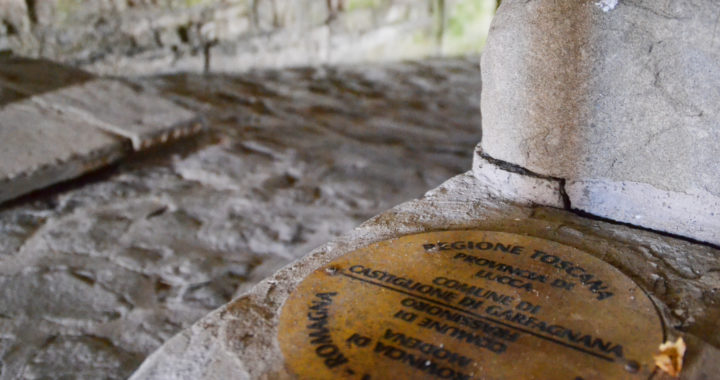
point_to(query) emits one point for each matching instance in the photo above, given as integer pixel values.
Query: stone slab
(73, 101)
(41, 146)
(694, 214)
(29, 76)
(114, 106)
(620, 94)
(239, 340)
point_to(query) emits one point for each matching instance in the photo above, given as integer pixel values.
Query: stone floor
(97, 273)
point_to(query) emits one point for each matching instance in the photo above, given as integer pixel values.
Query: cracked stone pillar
(620, 100)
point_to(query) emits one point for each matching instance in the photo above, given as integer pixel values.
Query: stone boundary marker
(57, 123)
(242, 340)
(464, 304)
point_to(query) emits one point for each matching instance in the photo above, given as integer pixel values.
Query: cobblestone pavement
(97, 273)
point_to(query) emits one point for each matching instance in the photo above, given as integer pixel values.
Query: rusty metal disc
(469, 305)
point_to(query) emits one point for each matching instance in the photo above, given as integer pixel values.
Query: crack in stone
(588, 215)
(513, 168)
(517, 169)
(567, 204)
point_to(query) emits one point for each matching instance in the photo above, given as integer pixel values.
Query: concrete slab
(117, 108)
(41, 146)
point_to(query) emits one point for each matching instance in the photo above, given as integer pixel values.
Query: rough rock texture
(620, 99)
(238, 341)
(144, 36)
(96, 275)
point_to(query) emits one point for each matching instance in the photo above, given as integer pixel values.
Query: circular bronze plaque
(469, 305)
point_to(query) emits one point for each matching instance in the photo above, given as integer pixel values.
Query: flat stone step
(57, 123)
(27, 76)
(117, 108)
(42, 146)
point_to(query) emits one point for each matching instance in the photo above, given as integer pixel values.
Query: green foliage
(467, 26)
(192, 3)
(359, 4)
(465, 13)
(66, 6)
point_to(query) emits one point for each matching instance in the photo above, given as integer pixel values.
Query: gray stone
(124, 37)
(42, 146)
(691, 213)
(521, 188)
(59, 122)
(238, 341)
(71, 357)
(620, 94)
(114, 106)
(30, 77)
(112, 266)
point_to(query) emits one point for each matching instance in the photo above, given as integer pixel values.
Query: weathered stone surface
(122, 37)
(238, 341)
(114, 106)
(28, 77)
(112, 267)
(520, 187)
(695, 212)
(620, 96)
(41, 146)
(59, 123)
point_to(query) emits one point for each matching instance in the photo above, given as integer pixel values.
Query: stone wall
(121, 37)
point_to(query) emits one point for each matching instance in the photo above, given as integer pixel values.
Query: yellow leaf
(670, 358)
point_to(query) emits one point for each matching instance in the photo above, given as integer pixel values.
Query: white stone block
(695, 213)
